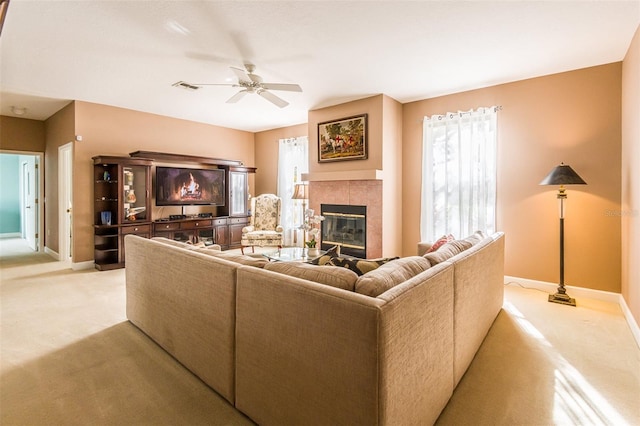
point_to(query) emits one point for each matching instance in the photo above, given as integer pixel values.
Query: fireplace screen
(345, 226)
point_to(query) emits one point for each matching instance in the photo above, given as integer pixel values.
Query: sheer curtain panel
(293, 160)
(459, 174)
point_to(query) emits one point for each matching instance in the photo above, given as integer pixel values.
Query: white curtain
(459, 174)
(293, 160)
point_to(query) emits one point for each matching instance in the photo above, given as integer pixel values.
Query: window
(459, 174)
(293, 160)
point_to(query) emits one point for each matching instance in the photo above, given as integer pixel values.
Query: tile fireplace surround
(353, 192)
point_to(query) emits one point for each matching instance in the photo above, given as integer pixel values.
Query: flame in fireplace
(190, 190)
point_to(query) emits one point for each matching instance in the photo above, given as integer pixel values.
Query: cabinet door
(222, 235)
(135, 193)
(238, 191)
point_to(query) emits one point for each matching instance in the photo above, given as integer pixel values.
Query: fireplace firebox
(345, 226)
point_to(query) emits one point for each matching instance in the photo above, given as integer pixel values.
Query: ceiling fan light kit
(249, 83)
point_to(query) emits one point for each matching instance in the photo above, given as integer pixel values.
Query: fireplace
(345, 226)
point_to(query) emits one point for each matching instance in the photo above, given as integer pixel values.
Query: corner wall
(630, 208)
(572, 117)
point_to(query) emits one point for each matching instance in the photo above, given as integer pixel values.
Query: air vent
(185, 85)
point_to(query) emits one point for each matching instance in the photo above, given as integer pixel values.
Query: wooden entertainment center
(123, 195)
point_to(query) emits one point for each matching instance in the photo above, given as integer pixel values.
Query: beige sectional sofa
(292, 344)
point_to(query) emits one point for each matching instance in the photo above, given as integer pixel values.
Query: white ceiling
(129, 53)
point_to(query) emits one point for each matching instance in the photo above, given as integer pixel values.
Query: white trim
(588, 293)
(52, 253)
(633, 325)
(11, 235)
(79, 266)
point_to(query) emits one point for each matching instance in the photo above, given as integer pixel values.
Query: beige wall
(59, 131)
(116, 131)
(572, 117)
(21, 134)
(267, 156)
(630, 211)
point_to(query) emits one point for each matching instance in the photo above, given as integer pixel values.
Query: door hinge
(36, 166)
(36, 235)
(36, 201)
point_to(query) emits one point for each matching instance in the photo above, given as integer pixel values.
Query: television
(185, 187)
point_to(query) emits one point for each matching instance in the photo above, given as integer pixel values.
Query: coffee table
(292, 254)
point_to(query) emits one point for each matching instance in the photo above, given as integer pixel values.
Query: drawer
(238, 220)
(135, 229)
(195, 224)
(173, 226)
(218, 222)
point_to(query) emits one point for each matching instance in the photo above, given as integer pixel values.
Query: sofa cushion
(359, 266)
(328, 275)
(389, 275)
(242, 259)
(325, 258)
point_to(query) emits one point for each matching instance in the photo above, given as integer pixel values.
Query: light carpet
(70, 357)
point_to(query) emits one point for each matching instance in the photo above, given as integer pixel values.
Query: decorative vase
(313, 251)
(131, 196)
(105, 217)
(128, 178)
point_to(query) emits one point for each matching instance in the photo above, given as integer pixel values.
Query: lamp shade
(301, 192)
(562, 175)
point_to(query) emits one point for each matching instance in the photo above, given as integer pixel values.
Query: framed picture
(343, 139)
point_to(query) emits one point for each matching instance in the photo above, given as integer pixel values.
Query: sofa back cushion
(242, 259)
(328, 275)
(389, 275)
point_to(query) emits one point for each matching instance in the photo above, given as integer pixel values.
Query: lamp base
(562, 298)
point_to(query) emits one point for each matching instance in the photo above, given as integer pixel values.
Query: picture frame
(343, 139)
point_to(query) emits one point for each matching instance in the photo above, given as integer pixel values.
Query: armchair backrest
(265, 212)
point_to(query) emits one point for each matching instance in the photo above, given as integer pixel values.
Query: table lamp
(301, 192)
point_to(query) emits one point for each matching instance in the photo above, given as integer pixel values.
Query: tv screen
(181, 186)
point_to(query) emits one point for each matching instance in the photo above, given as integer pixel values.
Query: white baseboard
(79, 266)
(588, 293)
(52, 253)
(11, 235)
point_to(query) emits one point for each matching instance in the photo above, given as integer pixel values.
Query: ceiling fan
(250, 83)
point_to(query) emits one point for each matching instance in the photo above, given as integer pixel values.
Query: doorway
(21, 215)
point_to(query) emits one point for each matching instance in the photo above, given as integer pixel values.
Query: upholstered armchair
(264, 227)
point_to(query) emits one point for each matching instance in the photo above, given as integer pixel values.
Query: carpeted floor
(69, 356)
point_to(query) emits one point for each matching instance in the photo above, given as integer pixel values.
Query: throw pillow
(334, 277)
(360, 266)
(447, 251)
(390, 274)
(440, 242)
(325, 258)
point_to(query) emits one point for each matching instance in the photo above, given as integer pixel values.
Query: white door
(65, 212)
(29, 204)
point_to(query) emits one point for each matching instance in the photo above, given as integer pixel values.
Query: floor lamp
(562, 175)
(301, 192)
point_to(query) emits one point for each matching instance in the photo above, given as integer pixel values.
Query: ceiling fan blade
(278, 86)
(235, 98)
(241, 74)
(279, 102)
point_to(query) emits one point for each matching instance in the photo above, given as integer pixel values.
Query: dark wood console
(225, 231)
